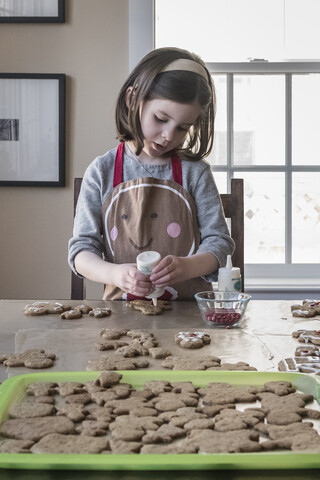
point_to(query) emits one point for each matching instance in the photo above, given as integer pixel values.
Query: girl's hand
(170, 270)
(130, 280)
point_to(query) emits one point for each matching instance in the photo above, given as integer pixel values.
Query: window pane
(218, 155)
(222, 30)
(221, 181)
(306, 217)
(302, 33)
(264, 217)
(259, 120)
(305, 119)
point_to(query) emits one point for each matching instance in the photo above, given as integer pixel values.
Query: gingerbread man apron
(150, 214)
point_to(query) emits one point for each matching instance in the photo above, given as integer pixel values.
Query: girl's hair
(149, 81)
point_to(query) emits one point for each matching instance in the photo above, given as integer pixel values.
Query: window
(268, 105)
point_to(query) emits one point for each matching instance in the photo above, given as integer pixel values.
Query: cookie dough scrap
(146, 307)
(33, 358)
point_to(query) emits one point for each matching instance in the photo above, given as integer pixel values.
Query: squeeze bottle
(229, 278)
(145, 263)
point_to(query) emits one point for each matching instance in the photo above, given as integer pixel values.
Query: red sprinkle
(223, 317)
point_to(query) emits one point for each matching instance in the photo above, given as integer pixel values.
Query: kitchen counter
(263, 339)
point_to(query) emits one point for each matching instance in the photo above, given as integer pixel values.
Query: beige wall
(91, 48)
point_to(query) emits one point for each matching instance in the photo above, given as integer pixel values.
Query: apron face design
(148, 214)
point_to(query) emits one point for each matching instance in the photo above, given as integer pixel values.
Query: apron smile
(140, 248)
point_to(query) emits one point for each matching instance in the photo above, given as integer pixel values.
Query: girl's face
(165, 124)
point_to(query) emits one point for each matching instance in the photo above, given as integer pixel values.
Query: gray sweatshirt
(197, 179)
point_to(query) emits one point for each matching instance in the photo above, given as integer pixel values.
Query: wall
(91, 48)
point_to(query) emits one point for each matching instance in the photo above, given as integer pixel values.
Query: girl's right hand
(128, 278)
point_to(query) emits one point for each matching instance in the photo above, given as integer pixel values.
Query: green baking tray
(13, 389)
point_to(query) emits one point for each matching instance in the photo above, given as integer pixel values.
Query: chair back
(233, 205)
(233, 208)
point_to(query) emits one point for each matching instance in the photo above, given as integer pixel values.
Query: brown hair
(149, 81)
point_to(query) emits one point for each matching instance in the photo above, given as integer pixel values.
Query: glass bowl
(222, 309)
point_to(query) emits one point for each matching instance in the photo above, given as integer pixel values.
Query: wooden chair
(233, 205)
(233, 208)
(78, 287)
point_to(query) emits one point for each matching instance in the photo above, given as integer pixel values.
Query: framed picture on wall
(32, 11)
(32, 129)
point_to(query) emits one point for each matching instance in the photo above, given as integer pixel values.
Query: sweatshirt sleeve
(214, 234)
(87, 227)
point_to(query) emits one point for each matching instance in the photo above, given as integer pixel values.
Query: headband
(188, 65)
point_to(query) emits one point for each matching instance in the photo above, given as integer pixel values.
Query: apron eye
(124, 216)
(153, 215)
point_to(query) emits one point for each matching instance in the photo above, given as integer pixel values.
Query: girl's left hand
(170, 270)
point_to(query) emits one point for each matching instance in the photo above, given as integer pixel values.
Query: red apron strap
(176, 169)
(118, 166)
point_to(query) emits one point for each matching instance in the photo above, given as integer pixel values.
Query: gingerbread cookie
(159, 352)
(164, 434)
(146, 307)
(41, 388)
(117, 362)
(15, 446)
(220, 393)
(192, 339)
(100, 312)
(113, 333)
(44, 308)
(56, 443)
(308, 308)
(307, 336)
(34, 358)
(211, 441)
(108, 379)
(176, 362)
(69, 388)
(31, 410)
(72, 314)
(35, 428)
(76, 412)
(234, 366)
(93, 428)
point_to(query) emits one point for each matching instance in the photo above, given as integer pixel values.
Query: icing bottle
(145, 263)
(229, 278)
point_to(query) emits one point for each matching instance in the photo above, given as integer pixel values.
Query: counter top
(263, 339)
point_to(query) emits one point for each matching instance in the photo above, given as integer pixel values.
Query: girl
(155, 191)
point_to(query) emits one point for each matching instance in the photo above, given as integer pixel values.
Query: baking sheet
(13, 390)
(75, 347)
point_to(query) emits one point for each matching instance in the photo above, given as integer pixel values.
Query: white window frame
(286, 280)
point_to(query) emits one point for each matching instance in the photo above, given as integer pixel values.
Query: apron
(150, 214)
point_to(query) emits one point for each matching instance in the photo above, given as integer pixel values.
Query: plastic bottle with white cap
(145, 263)
(229, 278)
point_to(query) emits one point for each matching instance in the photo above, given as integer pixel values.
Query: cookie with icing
(192, 339)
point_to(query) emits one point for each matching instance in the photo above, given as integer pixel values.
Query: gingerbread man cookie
(192, 339)
(309, 308)
(306, 336)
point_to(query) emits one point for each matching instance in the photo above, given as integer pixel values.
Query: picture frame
(32, 11)
(32, 129)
